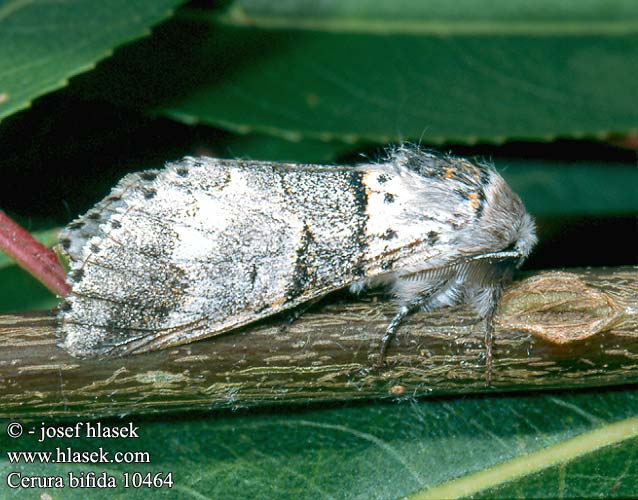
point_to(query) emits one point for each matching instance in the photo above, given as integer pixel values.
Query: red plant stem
(32, 256)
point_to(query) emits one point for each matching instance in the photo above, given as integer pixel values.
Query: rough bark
(554, 330)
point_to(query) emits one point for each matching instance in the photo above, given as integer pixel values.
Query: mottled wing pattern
(205, 246)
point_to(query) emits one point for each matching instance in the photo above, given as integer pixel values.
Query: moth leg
(412, 306)
(489, 332)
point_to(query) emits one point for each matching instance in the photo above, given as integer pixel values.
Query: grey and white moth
(205, 246)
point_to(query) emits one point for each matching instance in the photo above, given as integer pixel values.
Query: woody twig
(554, 330)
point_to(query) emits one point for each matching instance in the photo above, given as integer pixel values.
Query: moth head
(525, 237)
(505, 223)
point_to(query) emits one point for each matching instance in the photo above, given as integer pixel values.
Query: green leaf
(541, 17)
(358, 75)
(619, 463)
(269, 148)
(21, 291)
(45, 43)
(561, 188)
(494, 447)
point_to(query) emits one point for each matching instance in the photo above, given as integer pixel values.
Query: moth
(206, 246)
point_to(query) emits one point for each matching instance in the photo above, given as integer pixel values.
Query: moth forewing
(205, 246)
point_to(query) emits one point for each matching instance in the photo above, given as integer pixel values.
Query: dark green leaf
(552, 188)
(542, 17)
(19, 290)
(45, 43)
(22, 292)
(269, 148)
(440, 448)
(384, 84)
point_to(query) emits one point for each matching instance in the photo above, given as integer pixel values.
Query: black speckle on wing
(360, 219)
(77, 275)
(390, 234)
(149, 175)
(301, 277)
(149, 193)
(253, 275)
